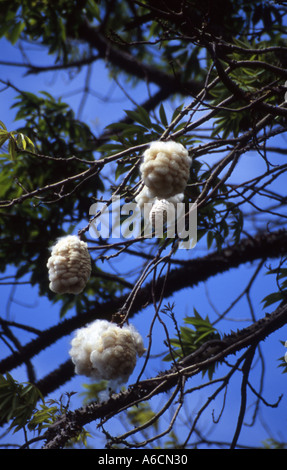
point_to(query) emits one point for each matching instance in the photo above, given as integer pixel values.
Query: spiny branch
(70, 424)
(191, 273)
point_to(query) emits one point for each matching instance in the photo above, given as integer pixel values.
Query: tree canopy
(212, 77)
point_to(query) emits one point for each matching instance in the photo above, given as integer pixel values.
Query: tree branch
(70, 424)
(268, 245)
(245, 370)
(131, 65)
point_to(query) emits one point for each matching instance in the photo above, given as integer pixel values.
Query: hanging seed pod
(105, 351)
(161, 211)
(164, 211)
(144, 197)
(165, 169)
(69, 266)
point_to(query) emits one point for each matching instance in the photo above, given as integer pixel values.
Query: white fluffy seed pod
(69, 266)
(105, 351)
(144, 197)
(161, 212)
(165, 168)
(164, 211)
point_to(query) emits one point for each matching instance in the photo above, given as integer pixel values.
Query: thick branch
(71, 423)
(270, 245)
(131, 65)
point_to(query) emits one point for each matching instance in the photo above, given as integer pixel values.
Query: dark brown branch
(268, 245)
(70, 424)
(36, 69)
(131, 65)
(245, 370)
(237, 91)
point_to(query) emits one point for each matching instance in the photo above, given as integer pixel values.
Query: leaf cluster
(48, 412)
(254, 82)
(17, 401)
(46, 23)
(140, 128)
(141, 414)
(190, 338)
(281, 294)
(35, 224)
(16, 142)
(52, 125)
(19, 406)
(221, 222)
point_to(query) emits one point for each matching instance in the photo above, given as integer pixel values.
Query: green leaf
(141, 414)
(29, 142)
(3, 125)
(273, 298)
(176, 112)
(17, 401)
(209, 239)
(140, 115)
(3, 139)
(14, 34)
(20, 140)
(190, 339)
(162, 116)
(12, 149)
(93, 390)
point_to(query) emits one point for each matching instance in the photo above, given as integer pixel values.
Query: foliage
(273, 444)
(209, 75)
(140, 415)
(16, 141)
(17, 401)
(93, 391)
(49, 412)
(19, 405)
(189, 339)
(281, 281)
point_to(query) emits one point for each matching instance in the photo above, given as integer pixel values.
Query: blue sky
(107, 103)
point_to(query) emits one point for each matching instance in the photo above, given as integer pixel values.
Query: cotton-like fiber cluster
(69, 266)
(164, 210)
(165, 169)
(105, 351)
(144, 197)
(161, 211)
